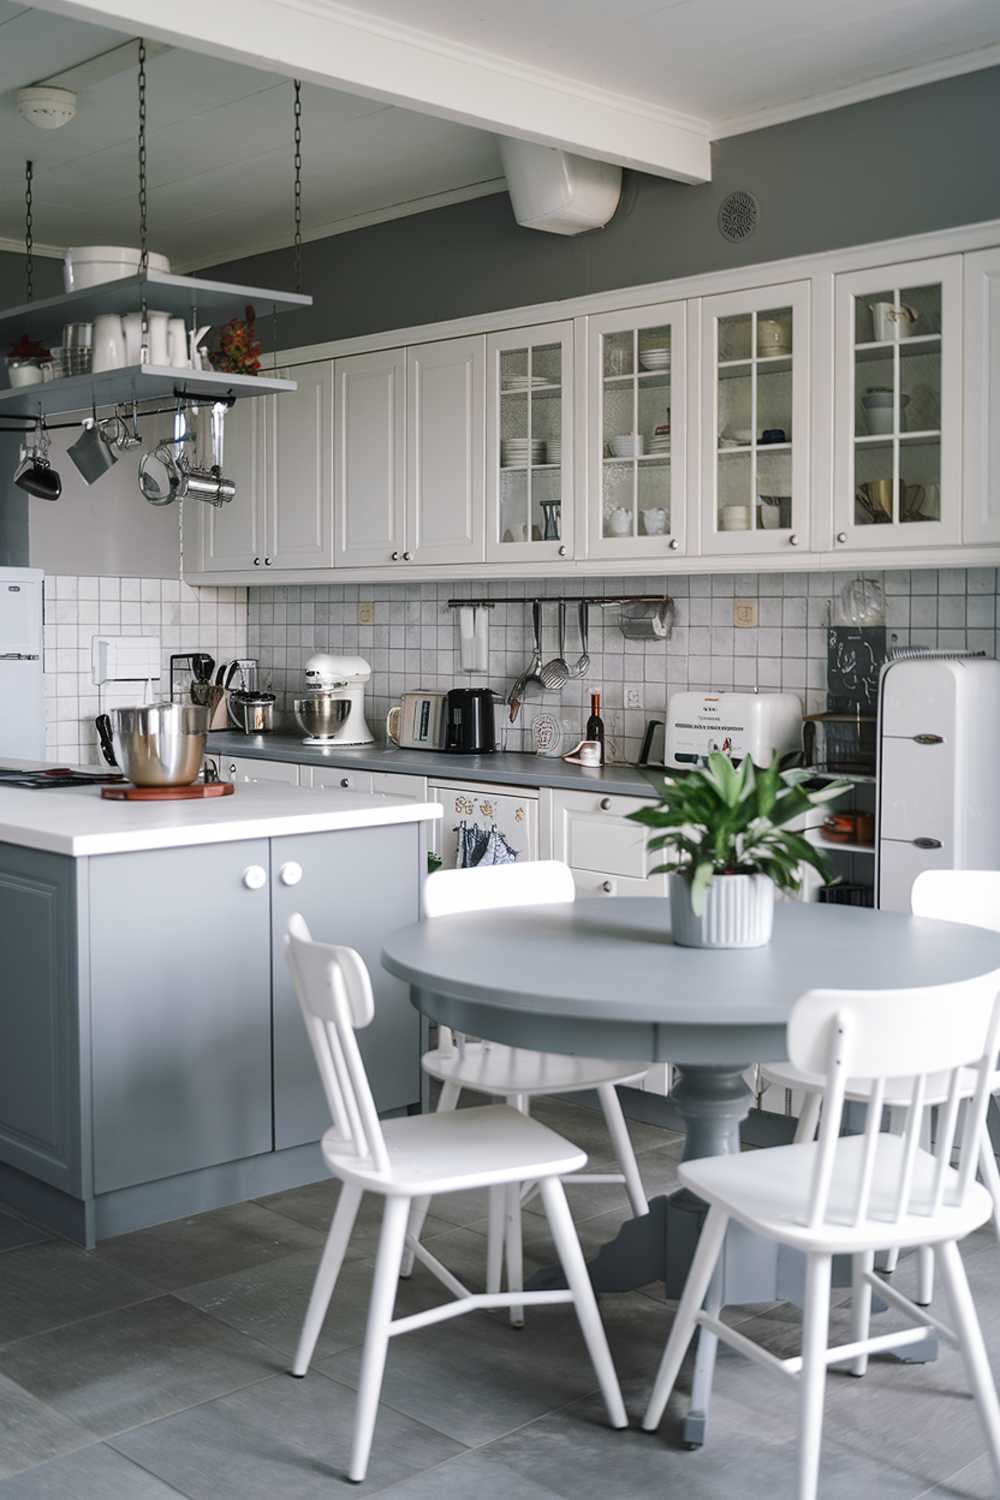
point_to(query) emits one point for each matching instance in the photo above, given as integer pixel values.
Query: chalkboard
(854, 657)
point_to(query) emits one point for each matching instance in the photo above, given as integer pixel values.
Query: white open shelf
(77, 393)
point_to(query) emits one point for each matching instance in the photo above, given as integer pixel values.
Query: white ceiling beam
(326, 43)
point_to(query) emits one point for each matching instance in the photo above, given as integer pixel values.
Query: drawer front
(917, 791)
(396, 784)
(598, 883)
(593, 833)
(336, 776)
(238, 768)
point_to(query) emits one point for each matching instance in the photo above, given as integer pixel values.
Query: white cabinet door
(246, 768)
(755, 421)
(594, 832)
(981, 487)
(529, 444)
(445, 429)
(637, 371)
(898, 418)
(232, 538)
(298, 443)
(369, 475)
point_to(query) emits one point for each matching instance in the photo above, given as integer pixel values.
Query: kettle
(251, 712)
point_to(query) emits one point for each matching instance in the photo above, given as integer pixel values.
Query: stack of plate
(654, 359)
(659, 443)
(524, 382)
(553, 451)
(517, 453)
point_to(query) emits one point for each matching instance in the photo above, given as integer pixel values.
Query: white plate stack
(518, 453)
(553, 451)
(659, 443)
(654, 359)
(524, 382)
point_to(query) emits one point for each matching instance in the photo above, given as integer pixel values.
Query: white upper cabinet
(231, 539)
(369, 447)
(298, 443)
(529, 444)
(981, 488)
(755, 421)
(637, 373)
(898, 419)
(445, 430)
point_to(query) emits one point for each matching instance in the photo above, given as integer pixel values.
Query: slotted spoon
(555, 673)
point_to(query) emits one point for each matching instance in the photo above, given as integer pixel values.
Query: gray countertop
(503, 770)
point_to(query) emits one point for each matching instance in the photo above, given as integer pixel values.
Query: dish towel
(477, 846)
(473, 625)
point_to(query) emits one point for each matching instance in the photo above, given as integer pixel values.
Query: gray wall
(910, 162)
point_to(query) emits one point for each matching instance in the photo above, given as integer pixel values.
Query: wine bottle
(595, 724)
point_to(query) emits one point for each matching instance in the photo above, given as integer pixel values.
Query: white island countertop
(76, 821)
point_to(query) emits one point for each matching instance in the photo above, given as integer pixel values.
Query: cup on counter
(589, 753)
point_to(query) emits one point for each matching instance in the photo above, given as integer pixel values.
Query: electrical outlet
(366, 613)
(633, 697)
(744, 613)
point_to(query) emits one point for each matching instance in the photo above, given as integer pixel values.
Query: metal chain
(297, 159)
(143, 208)
(29, 236)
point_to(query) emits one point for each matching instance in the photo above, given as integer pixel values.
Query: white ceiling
(220, 151)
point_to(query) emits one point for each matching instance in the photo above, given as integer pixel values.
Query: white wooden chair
(856, 1195)
(517, 1074)
(970, 896)
(403, 1159)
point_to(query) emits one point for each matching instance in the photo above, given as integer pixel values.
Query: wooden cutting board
(168, 793)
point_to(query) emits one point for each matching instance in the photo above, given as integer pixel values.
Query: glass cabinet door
(529, 444)
(755, 373)
(636, 378)
(898, 393)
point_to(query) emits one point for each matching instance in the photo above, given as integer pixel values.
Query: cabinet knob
(233, 768)
(608, 887)
(407, 556)
(841, 537)
(345, 781)
(290, 872)
(605, 804)
(562, 551)
(395, 557)
(267, 562)
(674, 544)
(793, 540)
(254, 877)
(256, 562)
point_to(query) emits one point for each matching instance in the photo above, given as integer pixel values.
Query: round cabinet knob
(254, 877)
(395, 557)
(841, 537)
(562, 551)
(345, 781)
(256, 562)
(267, 562)
(233, 768)
(793, 540)
(407, 556)
(290, 872)
(608, 887)
(605, 804)
(674, 544)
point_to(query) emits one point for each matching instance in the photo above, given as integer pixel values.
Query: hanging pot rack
(180, 398)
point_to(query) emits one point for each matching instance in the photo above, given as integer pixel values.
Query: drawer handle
(605, 804)
(254, 877)
(290, 872)
(345, 781)
(608, 886)
(928, 739)
(927, 843)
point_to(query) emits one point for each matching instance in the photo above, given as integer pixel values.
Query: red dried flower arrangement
(27, 348)
(239, 349)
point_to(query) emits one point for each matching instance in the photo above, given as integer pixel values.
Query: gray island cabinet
(153, 1061)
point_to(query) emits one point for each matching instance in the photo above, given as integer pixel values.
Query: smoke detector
(47, 108)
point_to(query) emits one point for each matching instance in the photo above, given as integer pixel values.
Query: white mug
(109, 343)
(177, 344)
(159, 346)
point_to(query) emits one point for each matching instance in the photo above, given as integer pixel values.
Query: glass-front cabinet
(898, 402)
(529, 444)
(755, 420)
(637, 373)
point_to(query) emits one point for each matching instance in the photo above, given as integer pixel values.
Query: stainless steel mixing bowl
(321, 714)
(161, 744)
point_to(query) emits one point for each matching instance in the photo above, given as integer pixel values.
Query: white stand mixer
(333, 712)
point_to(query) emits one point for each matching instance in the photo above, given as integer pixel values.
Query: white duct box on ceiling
(556, 191)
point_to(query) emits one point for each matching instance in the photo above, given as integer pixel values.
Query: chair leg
(447, 1099)
(991, 1177)
(861, 1307)
(702, 1268)
(383, 1295)
(495, 1238)
(925, 1276)
(808, 1119)
(976, 1360)
(515, 1254)
(332, 1259)
(622, 1143)
(897, 1125)
(815, 1333)
(704, 1366)
(578, 1280)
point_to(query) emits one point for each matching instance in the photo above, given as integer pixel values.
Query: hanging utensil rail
(29, 424)
(601, 600)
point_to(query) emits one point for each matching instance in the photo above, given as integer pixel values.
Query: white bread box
(738, 724)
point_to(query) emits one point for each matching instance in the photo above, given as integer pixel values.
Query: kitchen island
(153, 1062)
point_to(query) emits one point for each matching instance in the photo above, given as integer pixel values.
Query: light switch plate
(633, 697)
(744, 613)
(366, 613)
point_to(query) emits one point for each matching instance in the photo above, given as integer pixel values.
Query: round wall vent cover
(739, 215)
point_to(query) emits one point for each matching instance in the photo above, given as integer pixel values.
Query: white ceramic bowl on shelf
(92, 265)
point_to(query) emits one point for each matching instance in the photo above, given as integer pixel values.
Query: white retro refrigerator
(22, 695)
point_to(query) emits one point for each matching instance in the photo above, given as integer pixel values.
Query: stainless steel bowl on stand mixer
(333, 710)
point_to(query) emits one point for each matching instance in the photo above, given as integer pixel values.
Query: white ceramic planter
(739, 913)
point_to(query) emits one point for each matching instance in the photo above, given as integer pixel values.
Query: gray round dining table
(600, 978)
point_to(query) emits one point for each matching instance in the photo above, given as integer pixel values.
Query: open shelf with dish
(139, 383)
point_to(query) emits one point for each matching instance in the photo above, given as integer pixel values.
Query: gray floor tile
(285, 1437)
(44, 1286)
(15, 1231)
(314, 1205)
(976, 1481)
(212, 1244)
(111, 1372)
(31, 1432)
(95, 1474)
(480, 1474)
(586, 1127)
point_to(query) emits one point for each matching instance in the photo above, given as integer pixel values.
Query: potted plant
(239, 349)
(729, 827)
(25, 360)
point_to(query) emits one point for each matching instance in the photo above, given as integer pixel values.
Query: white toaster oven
(738, 724)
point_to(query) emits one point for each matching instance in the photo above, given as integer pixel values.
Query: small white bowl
(734, 518)
(628, 445)
(92, 265)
